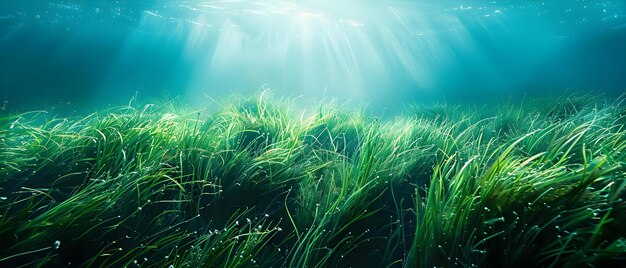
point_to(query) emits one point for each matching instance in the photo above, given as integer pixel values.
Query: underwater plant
(260, 183)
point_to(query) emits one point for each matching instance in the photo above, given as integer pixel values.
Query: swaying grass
(261, 182)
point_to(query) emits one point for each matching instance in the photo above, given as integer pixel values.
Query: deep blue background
(97, 53)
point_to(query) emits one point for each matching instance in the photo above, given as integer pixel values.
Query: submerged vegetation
(261, 183)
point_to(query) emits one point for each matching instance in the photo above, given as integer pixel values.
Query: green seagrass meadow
(262, 181)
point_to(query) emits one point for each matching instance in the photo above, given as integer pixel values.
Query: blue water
(98, 53)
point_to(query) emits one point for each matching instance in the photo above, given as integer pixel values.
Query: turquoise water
(96, 53)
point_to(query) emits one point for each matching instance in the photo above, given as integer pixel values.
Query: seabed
(263, 182)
